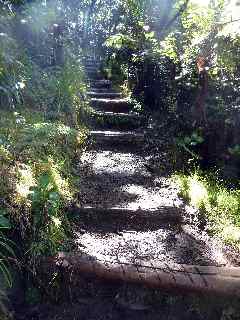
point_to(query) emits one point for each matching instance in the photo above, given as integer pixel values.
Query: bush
(41, 133)
(38, 183)
(57, 91)
(219, 204)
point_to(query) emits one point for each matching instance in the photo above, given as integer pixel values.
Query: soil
(97, 300)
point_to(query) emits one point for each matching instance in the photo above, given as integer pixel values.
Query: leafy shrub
(49, 224)
(220, 205)
(187, 143)
(11, 68)
(36, 155)
(38, 183)
(43, 139)
(58, 92)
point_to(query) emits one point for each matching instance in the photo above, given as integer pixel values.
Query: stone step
(91, 60)
(93, 75)
(92, 68)
(112, 137)
(92, 71)
(111, 105)
(117, 115)
(118, 121)
(102, 90)
(104, 94)
(116, 218)
(100, 84)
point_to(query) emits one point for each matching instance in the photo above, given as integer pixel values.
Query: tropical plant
(49, 224)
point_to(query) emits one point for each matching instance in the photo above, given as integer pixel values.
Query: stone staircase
(133, 236)
(125, 213)
(113, 118)
(115, 184)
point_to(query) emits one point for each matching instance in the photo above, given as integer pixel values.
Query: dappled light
(119, 159)
(197, 192)
(165, 245)
(26, 181)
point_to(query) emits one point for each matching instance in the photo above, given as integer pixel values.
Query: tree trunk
(200, 110)
(58, 44)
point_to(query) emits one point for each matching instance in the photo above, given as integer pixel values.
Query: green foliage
(28, 75)
(4, 312)
(56, 91)
(220, 205)
(11, 69)
(226, 53)
(44, 139)
(48, 221)
(119, 41)
(4, 222)
(235, 150)
(160, 67)
(31, 139)
(33, 295)
(189, 142)
(6, 248)
(38, 182)
(41, 129)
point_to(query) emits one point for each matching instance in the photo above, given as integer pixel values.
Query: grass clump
(219, 204)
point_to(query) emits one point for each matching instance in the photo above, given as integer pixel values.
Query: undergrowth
(219, 204)
(37, 185)
(42, 133)
(38, 182)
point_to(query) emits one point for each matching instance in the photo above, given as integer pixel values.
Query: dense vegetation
(177, 61)
(41, 135)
